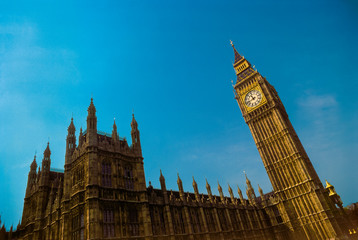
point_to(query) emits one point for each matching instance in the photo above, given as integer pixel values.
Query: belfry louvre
(102, 192)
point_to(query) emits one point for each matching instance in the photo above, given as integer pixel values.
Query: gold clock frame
(243, 94)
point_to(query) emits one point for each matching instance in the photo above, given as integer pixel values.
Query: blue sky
(171, 62)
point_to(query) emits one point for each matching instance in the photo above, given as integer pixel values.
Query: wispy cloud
(314, 103)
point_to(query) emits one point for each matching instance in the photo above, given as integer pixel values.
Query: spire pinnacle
(134, 123)
(219, 187)
(179, 180)
(196, 191)
(91, 109)
(238, 57)
(47, 151)
(229, 188)
(71, 128)
(161, 178)
(34, 164)
(260, 190)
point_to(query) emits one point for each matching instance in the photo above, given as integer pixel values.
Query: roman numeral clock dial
(253, 98)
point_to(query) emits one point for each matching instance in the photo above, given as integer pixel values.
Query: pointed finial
(161, 177)
(238, 57)
(47, 151)
(260, 190)
(219, 187)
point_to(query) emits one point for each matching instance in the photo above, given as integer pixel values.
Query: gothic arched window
(133, 224)
(128, 175)
(106, 174)
(108, 223)
(78, 226)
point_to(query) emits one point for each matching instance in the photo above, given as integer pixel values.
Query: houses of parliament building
(102, 192)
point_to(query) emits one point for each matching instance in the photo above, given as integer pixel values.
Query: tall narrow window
(128, 175)
(133, 224)
(108, 223)
(106, 174)
(78, 227)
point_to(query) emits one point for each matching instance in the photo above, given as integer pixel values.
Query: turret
(91, 137)
(46, 164)
(135, 136)
(70, 148)
(31, 180)
(115, 137)
(70, 142)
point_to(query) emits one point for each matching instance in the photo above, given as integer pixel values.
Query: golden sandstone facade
(102, 193)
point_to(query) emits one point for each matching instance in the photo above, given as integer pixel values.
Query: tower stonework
(309, 213)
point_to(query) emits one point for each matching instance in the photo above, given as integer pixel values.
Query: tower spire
(221, 192)
(135, 136)
(91, 136)
(196, 191)
(208, 189)
(115, 137)
(34, 164)
(70, 141)
(250, 192)
(46, 164)
(233, 200)
(181, 189)
(162, 181)
(238, 57)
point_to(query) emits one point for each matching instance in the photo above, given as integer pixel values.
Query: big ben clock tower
(306, 208)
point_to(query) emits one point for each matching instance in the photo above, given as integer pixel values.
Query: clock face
(253, 98)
